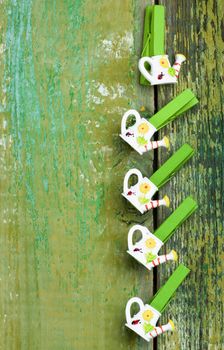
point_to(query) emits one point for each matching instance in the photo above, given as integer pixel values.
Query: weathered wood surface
(196, 29)
(68, 72)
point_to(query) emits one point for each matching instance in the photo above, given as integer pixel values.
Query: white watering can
(140, 195)
(146, 249)
(161, 71)
(144, 322)
(139, 135)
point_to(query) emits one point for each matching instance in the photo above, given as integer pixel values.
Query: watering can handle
(127, 177)
(125, 118)
(129, 305)
(143, 70)
(131, 234)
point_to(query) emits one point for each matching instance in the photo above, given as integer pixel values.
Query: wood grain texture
(195, 28)
(70, 72)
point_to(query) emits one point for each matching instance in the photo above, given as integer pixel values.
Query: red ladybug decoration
(135, 322)
(160, 76)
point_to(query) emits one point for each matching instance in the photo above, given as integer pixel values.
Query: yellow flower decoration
(144, 187)
(143, 128)
(150, 243)
(164, 62)
(147, 315)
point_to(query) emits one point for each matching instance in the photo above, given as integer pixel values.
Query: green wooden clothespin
(174, 108)
(165, 293)
(139, 135)
(140, 195)
(146, 249)
(154, 34)
(154, 64)
(175, 220)
(172, 165)
(144, 323)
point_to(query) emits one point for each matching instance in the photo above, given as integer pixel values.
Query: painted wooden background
(68, 71)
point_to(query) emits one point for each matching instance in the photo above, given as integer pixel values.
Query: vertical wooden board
(70, 72)
(195, 28)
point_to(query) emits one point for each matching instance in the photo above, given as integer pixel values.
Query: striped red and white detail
(160, 329)
(177, 70)
(162, 259)
(154, 204)
(154, 145)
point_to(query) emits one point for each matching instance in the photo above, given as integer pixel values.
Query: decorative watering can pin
(159, 69)
(146, 249)
(140, 194)
(144, 323)
(139, 135)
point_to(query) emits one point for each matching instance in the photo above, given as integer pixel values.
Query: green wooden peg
(172, 165)
(174, 108)
(166, 292)
(168, 227)
(154, 32)
(157, 30)
(144, 323)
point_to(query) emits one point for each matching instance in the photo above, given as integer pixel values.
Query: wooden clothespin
(140, 195)
(139, 135)
(144, 323)
(145, 250)
(154, 34)
(154, 64)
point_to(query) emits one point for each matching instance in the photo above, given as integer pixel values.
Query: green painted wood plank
(70, 72)
(65, 85)
(195, 28)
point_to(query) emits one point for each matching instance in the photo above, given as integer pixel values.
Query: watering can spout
(179, 59)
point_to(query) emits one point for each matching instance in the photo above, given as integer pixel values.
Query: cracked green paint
(67, 76)
(68, 71)
(198, 308)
